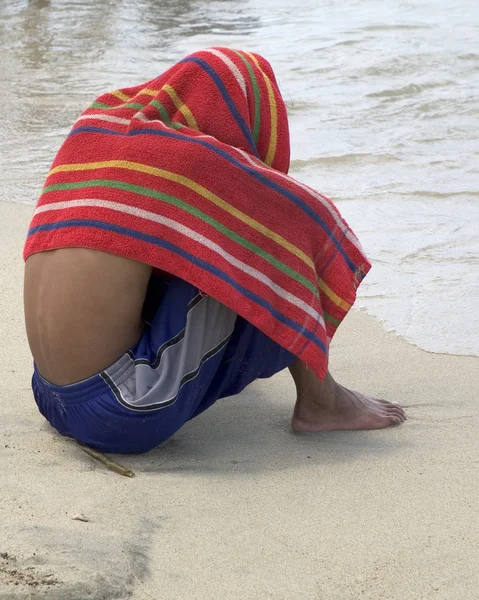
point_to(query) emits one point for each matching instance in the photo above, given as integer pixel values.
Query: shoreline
(235, 505)
(391, 331)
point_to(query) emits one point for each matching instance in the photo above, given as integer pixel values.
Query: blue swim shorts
(194, 351)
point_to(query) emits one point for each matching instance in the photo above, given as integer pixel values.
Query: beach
(236, 505)
(383, 107)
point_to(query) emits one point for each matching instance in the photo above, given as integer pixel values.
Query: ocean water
(383, 99)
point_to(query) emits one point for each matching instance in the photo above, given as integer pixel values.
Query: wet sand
(236, 505)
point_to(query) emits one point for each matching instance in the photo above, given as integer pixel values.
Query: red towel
(188, 173)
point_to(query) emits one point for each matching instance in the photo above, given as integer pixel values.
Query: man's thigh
(82, 309)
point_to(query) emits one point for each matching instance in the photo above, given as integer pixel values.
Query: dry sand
(236, 505)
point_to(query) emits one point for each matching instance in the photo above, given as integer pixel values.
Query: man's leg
(83, 310)
(156, 386)
(326, 405)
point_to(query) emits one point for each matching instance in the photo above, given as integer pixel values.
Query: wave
(440, 195)
(299, 164)
(397, 27)
(409, 90)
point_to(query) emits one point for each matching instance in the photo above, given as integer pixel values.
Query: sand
(236, 506)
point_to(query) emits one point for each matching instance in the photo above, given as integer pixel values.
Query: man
(171, 262)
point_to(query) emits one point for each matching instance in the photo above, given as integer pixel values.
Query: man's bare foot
(326, 406)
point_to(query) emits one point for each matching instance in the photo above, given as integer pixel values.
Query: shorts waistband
(91, 387)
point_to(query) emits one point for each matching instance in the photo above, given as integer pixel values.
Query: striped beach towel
(188, 173)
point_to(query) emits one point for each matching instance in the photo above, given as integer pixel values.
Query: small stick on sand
(110, 464)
